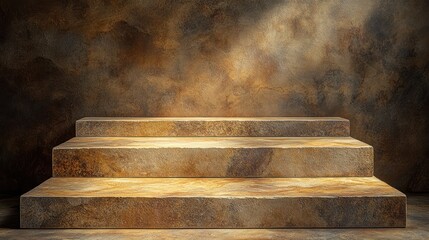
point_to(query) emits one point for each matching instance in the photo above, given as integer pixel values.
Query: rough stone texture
(365, 60)
(417, 222)
(214, 126)
(212, 203)
(212, 157)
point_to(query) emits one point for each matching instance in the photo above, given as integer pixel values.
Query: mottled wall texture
(365, 60)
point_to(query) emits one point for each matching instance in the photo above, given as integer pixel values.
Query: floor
(417, 228)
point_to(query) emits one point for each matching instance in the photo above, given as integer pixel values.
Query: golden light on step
(213, 173)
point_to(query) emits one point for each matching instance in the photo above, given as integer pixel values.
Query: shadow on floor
(9, 211)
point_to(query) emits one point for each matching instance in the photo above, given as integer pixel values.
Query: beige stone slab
(212, 157)
(218, 234)
(417, 222)
(212, 203)
(214, 126)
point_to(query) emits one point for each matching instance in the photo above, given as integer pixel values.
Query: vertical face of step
(212, 157)
(212, 173)
(214, 126)
(212, 203)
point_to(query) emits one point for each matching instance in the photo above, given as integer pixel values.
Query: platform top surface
(214, 187)
(211, 142)
(252, 119)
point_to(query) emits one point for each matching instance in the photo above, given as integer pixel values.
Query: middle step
(213, 157)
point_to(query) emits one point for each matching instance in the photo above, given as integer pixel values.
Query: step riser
(213, 173)
(213, 162)
(182, 212)
(340, 128)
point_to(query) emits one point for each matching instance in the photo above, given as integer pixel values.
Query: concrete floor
(417, 228)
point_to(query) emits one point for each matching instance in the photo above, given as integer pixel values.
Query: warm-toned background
(367, 61)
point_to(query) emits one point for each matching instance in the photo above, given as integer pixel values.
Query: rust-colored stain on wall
(362, 60)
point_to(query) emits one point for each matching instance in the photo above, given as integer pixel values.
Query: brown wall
(367, 61)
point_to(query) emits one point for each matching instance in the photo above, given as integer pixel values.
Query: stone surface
(417, 228)
(364, 60)
(212, 203)
(212, 157)
(214, 126)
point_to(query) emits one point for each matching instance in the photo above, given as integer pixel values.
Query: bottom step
(213, 203)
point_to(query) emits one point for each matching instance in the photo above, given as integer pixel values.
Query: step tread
(256, 119)
(214, 187)
(212, 142)
(222, 119)
(212, 203)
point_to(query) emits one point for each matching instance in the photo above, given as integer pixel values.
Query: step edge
(359, 144)
(248, 119)
(395, 193)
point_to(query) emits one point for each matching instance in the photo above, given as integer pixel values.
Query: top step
(213, 127)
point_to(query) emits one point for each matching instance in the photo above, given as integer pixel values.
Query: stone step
(213, 126)
(213, 203)
(212, 157)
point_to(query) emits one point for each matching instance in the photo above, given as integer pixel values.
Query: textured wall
(363, 60)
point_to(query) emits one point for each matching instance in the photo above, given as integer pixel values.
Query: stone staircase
(271, 172)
